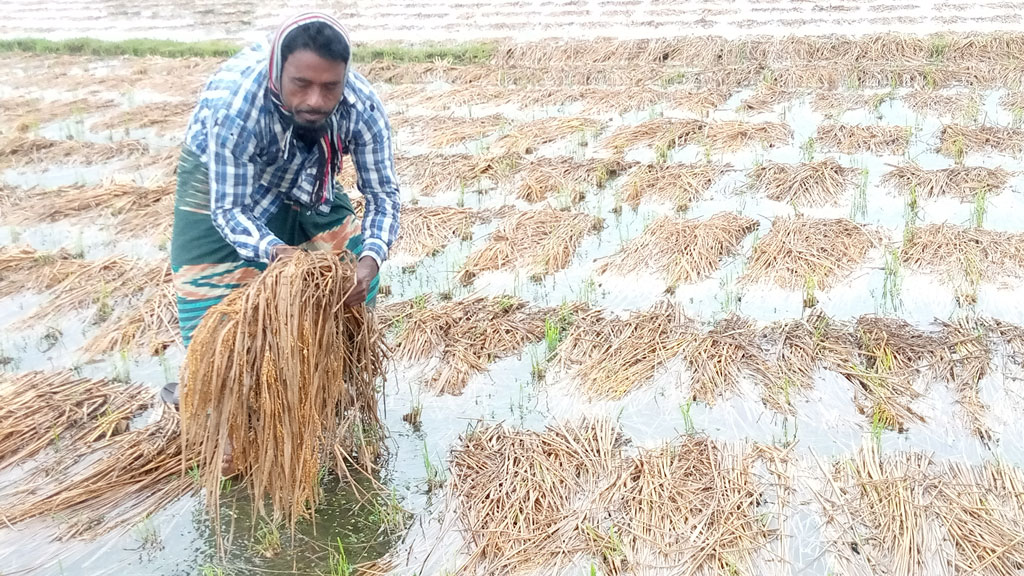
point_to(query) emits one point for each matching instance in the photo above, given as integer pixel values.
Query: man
(257, 174)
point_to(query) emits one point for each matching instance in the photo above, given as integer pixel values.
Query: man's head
(314, 59)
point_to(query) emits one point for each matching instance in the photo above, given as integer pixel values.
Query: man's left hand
(366, 271)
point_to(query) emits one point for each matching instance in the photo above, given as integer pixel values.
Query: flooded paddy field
(698, 305)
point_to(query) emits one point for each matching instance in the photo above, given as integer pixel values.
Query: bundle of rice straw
(281, 373)
(805, 184)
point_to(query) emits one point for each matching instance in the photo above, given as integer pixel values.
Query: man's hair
(319, 38)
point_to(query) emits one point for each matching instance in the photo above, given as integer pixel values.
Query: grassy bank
(400, 53)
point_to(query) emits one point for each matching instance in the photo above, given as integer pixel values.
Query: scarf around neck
(329, 147)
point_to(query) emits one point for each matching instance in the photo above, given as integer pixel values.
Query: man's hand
(284, 251)
(366, 271)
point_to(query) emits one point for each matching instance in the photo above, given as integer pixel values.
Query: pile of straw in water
(907, 514)
(680, 184)
(78, 202)
(465, 335)
(27, 150)
(767, 98)
(682, 251)
(1013, 102)
(445, 131)
(959, 105)
(956, 140)
(525, 138)
(539, 502)
(820, 183)
(25, 268)
(544, 177)
(835, 104)
(854, 139)
(792, 350)
(732, 135)
(719, 358)
(962, 182)
(700, 102)
(964, 257)
(966, 361)
(612, 356)
(662, 133)
(799, 250)
(150, 326)
(426, 230)
(283, 375)
(540, 241)
(165, 117)
(435, 173)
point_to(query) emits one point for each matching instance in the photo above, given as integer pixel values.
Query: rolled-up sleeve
(377, 180)
(232, 185)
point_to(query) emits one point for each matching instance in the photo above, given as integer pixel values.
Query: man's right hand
(284, 251)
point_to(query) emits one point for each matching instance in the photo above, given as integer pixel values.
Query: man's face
(311, 87)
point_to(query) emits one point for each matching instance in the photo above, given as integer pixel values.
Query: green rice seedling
(267, 542)
(104, 309)
(1018, 117)
(339, 562)
(972, 111)
(980, 208)
(958, 149)
(892, 283)
(211, 570)
(389, 514)
(937, 48)
(148, 535)
(122, 368)
(807, 150)
(859, 207)
(435, 476)
(810, 292)
(661, 153)
(911, 215)
(688, 417)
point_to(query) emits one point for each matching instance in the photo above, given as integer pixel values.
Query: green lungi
(207, 268)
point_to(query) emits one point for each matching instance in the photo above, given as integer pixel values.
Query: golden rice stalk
(153, 221)
(121, 199)
(150, 326)
(800, 249)
(767, 97)
(679, 184)
(165, 117)
(959, 105)
(526, 498)
(40, 410)
(445, 131)
(854, 139)
(721, 357)
(526, 137)
(661, 134)
(543, 177)
(540, 241)
(435, 173)
(820, 183)
(20, 115)
(18, 151)
(962, 182)
(612, 356)
(964, 257)
(682, 251)
(25, 268)
(956, 140)
(426, 230)
(967, 358)
(465, 335)
(732, 135)
(281, 374)
(128, 477)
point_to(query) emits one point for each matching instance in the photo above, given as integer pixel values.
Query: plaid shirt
(253, 169)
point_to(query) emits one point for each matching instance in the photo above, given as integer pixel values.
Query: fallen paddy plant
(964, 256)
(682, 251)
(544, 177)
(968, 355)
(119, 199)
(435, 173)
(849, 139)
(21, 115)
(956, 141)
(25, 268)
(679, 184)
(445, 131)
(611, 356)
(767, 98)
(725, 354)
(732, 135)
(908, 514)
(661, 133)
(164, 117)
(821, 183)
(279, 377)
(527, 137)
(20, 151)
(963, 106)
(796, 248)
(150, 326)
(961, 182)
(59, 411)
(539, 241)
(426, 230)
(464, 335)
(834, 104)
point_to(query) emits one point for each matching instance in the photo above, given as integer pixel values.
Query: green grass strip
(466, 53)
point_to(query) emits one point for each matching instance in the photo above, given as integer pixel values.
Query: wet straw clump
(810, 184)
(678, 184)
(283, 376)
(546, 177)
(855, 139)
(961, 182)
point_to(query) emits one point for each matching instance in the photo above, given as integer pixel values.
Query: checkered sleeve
(376, 179)
(232, 187)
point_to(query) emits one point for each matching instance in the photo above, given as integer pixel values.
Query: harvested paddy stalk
(150, 326)
(956, 141)
(128, 477)
(21, 151)
(700, 102)
(682, 251)
(660, 134)
(611, 356)
(25, 268)
(964, 257)
(24, 115)
(465, 335)
(544, 177)
(40, 410)
(849, 139)
(539, 241)
(968, 355)
(283, 376)
(426, 230)
(445, 131)
(961, 182)
(767, 98)
(959, 105)
(620, 100)
(834, 104)
(526, 137)
(164, 117)
(435, 173)
(801, 248)
(721, 357)
(821, 183)
(906, 514)
(792, 350)
(122, 199)
(679, 184)
(732, 135)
